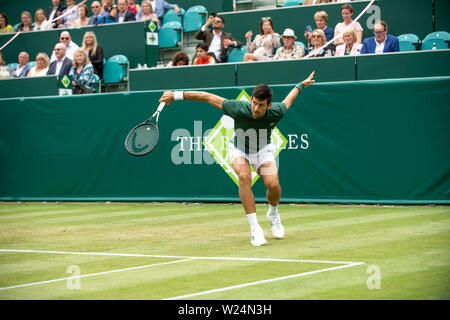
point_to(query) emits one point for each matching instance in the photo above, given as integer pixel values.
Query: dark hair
(383, 23)
(263, 92)
(347, 6)
(262, 22)
(202, 45)
(221, 18)
(180, 56)
(5, 17)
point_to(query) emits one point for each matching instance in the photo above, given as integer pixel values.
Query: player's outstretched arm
(289, 100)
(169, 96)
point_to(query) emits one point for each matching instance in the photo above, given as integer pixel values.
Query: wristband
(178, 95)
(300, 86)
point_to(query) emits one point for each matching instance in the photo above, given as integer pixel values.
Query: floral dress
(263, 46)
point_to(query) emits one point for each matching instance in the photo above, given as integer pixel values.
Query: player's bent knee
(245, 179)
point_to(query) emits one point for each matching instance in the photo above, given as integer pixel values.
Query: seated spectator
(350, 47)
(147, 12)
(161, 6)
(202, 55)
(27, 24)
(347, 13)
(263, 46)
(40, 21)
(109, 10)
(62, 64)
(82, 73)
(54, 11)
(216, 39)
(4, 71)
(381, 42)
(41, 67)
(83, 20)
(289, 50)
(179, 59)
(318, 40)
(133, 7)
(95, 52)
(321, 20)
(97, 17)
(71, 47)
(4, 26)
(123, 14)
(66, 21)
(21, 71)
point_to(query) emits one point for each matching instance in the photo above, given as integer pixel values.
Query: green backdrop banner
(382, 141)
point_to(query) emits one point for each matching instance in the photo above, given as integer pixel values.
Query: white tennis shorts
(255, 159)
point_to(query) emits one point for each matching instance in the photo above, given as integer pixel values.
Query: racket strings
(142, 139)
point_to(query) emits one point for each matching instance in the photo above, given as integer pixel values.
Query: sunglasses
(266, 18)
(64, 38)
(379, 32)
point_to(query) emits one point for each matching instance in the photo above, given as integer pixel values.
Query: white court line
(92, 274)
(343, 264)
(176, 257)
(263, 281)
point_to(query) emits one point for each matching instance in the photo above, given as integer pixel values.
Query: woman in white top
(40, 22)
(350, 47)
(347, 13)
(41, 67)
(148, 13)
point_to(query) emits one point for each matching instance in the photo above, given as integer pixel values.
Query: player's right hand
(167, 97)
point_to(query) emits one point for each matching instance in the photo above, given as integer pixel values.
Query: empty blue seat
(194, 18)
(170, 34)
(440, 39)
(408, 42)
(115, 69)
(171, 16)
(237, 54)
(291, 3)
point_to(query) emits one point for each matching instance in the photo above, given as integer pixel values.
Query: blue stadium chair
(237, 54)
(408, 42)
(171, 16)
(32, 64)
(291, 3)
(12, 65)
(170, 34)
(194, 18)
(300, 44)
(439, 38)
(16, 26)
(115, 69)
(97, 84)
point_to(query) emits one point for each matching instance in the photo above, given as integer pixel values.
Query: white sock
(253, 221)
(273, 209)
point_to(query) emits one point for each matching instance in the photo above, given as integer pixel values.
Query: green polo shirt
(251, 135)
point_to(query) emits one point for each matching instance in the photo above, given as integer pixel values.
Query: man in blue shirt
(381, 42)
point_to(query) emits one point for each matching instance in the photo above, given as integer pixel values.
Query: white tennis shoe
(258, 237)
(276, 226)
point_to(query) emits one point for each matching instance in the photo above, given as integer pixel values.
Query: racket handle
(161, 106)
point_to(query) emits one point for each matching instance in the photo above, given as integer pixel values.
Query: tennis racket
(142, 139)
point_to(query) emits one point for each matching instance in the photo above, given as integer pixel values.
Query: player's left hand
(308, 81)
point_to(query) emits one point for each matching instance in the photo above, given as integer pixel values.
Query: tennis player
(253, 123)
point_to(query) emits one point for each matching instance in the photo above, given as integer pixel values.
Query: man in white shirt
(217, 40)
(61, 65)
(71, 47)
